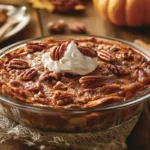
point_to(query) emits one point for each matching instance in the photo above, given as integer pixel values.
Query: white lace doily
(112, 139)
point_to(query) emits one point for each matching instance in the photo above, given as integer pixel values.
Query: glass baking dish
(79, 120)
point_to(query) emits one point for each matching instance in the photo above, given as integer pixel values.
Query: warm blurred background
(133, 15)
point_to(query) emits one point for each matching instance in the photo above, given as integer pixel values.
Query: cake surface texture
(78, 73)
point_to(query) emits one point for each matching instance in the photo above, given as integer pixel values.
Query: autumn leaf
(42, 4)
(58, 5)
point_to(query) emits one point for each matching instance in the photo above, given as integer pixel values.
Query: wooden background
(95, 24)
(139, 139)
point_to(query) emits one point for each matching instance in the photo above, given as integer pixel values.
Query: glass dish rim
(23, 105)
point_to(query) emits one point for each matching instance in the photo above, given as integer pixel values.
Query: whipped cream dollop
(73, 61)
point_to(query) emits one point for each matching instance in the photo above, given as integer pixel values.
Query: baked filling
(80, 73)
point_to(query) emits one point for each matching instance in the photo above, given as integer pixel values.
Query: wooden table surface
(95, 26)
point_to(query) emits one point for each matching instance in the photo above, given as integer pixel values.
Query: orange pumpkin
(125, 12)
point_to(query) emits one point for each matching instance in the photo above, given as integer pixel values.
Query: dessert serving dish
(74, 83)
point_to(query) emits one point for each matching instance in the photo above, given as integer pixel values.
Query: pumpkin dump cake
(76, 74)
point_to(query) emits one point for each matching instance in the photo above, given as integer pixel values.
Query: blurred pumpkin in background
(125, 12)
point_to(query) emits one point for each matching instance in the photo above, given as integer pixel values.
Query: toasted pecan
(28, 74)
(18, 64)
(91, 81)
(87, 51)
(57, 52)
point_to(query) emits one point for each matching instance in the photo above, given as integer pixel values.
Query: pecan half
(117, 70)
(77, 27)
(18, 64)
(37, 46)
(60, 86)
(104, 55)
(62, 98)
(103, 101)
(28, 74)
(91, 81)
(57, 52)
(50, 75)
(87, 51)
(56, 27)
